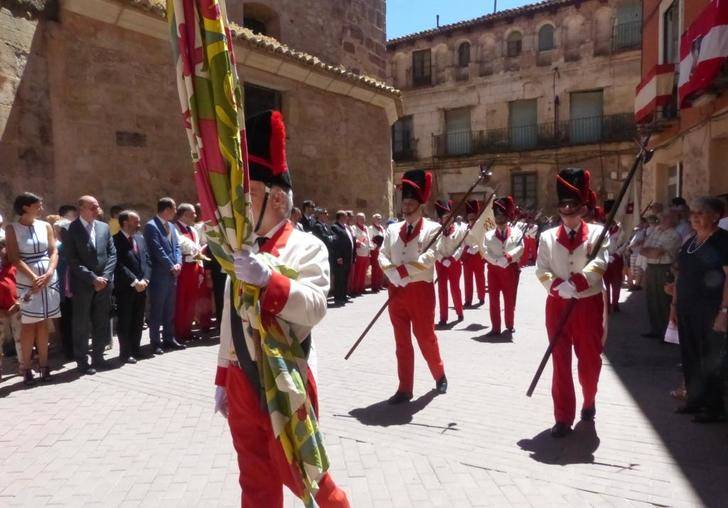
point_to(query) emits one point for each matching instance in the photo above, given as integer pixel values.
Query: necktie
(409, 229)
(91, 236)
(572, 234)
(134, 247)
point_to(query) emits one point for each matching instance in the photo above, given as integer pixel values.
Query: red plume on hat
(506, 206)
(417, 185)
(266, 140)
(443, 207)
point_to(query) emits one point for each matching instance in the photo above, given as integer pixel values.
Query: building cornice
(258, 52)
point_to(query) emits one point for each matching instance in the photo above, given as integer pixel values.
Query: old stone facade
(88, 104)
(532, 89)
(690, 141)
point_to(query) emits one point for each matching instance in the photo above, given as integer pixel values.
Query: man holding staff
(562, 267)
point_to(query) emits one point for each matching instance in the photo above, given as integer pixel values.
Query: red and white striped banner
(654, 91)
(703, 49)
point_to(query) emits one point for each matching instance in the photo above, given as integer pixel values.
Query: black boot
(560, 430)
(399, 398)
(45, 374)
(28, 378)
(441, 385)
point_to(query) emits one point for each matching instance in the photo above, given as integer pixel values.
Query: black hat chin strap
(262, 209)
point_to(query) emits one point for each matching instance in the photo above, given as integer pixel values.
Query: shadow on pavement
(66, 376)
(648, 368)
(384, 415)
(494, 339)
(473, 327)
(576, 448)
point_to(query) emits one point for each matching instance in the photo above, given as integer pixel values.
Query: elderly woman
(32, 250)
(700, 307)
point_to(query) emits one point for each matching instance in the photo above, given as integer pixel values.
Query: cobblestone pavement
(145, 435)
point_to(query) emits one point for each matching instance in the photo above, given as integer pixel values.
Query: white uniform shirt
(375, 231)
(476, 235)
(451, 242)
(298, 299)
(406, 262)
(556, 263)
(190, 247)
(362, 240)
(500, 253)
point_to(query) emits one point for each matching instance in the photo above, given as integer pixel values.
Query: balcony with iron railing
(405, 150)
(578, 131)
(627, 36)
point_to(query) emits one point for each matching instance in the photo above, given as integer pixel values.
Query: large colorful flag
(654, 91)
(212, 108)
(703, 50)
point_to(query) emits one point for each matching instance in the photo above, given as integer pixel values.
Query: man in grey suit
(89, 249)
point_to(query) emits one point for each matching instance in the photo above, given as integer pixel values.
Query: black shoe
(460, 318)
(588, 414)
(468, 305)
(173, 344)
(493, 333)
(45, 374)
(560, 430)
(480, 302)
(441, 385)
(158, 350)
(688, 409)
(86, 370)
(442, 323)
(709, 418)
(511, 330)
(130, 360)
(28, 379)
(399, 398)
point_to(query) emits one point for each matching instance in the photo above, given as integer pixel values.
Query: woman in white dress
(31, 248)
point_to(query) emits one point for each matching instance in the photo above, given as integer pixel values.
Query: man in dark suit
(308, 221)
(160, 236)
(342, 252)
(133, 271)
(91, 256)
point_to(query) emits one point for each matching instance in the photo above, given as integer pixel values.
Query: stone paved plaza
(145, 435)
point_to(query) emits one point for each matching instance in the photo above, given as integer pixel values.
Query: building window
(628, 27)
(457, 126)
(513, 44)
(403, 139)
(259, 99)
(524, 189)
(671, 35)
(255, 26)
(585, 122)
(546, 38)
(464, 54)
(421, 67)
(523, 124)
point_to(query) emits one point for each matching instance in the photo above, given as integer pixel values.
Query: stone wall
(26, 134)
(346, 32)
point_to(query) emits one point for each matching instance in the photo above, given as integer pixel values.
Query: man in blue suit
(160, 235)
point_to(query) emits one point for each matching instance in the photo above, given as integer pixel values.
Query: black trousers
(341, 279)
(703, 352)
(91, 313)
(130, 307)
(67, 327)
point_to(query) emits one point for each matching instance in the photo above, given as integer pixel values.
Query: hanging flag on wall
(655, 91)
(703, 50)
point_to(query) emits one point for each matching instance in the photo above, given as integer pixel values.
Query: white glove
(566, 290)
(446, 262)
(221, 402)
(473, 249)
(503, 262)
(251, 269)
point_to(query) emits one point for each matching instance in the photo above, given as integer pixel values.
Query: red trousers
(503, 281)
(583, 331)
(412, 309)
(529, 251)
(190, 288)
(263, 466)
(449, 275)
(613, 280)
(358, 281)
(377, 272)
(473, 266)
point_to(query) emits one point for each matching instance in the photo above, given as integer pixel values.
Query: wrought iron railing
(627, 36)
(577, 131)
(404, 151)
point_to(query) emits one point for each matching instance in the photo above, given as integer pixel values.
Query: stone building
(533, 89)
(690, 138)
(88, 100)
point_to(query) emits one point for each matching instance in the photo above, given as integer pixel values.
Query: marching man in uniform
(363, 245)
(563, 270)
(447, 267)
(296, 302)
(503, 249)
(409, 269)
(472, 257)
(376, 233)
